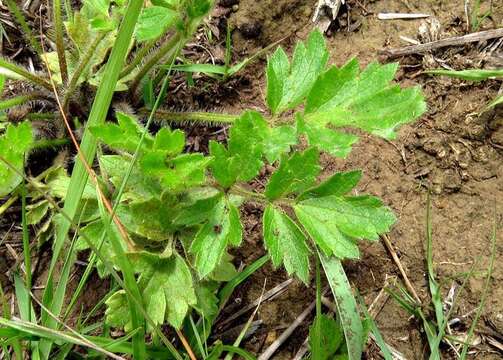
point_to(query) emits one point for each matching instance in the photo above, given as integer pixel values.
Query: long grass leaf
(485, 291)
(471, 75)
(88, 145)
(346, 305)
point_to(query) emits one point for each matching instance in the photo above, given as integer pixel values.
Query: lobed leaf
(222, 228)
(154, 21)
(14, 144)
(125, 135)
(288, 84)
(336, 222)
(294, 175)
(346, 97)
(286, 243)
(338, 184)
(168, 291)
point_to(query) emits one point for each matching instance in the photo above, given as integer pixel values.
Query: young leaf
(246, 144)
(278, 141)
(167, 285)
(122, 136)
(93, 232)
(286, 243)
(207, 301)
(151, 219)
(179, 173)
(366, 100)
(331, 141)
(138, 188)
(222, 228)
(224, 167)
(335, 222)
(325, 337)
(117, 313)
(36, 212)
(154, 21)
(171, 141)
(243, 159)
(16, 141)
(288, 85)
(295, 174)
(338, 184)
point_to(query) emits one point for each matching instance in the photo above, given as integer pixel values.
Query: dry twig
(452, 41)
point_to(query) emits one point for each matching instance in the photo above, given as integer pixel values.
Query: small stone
(235, 7)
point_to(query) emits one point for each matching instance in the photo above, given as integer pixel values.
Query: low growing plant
(177, 213)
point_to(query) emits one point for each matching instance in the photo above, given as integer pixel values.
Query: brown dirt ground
(451, 150)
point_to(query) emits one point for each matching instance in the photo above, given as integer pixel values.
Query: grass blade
(484, 293)
(471, 74)
(88, 145)
(346, 305)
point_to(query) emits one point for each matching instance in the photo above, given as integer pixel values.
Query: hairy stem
(139, 56)
(169, 50)
(50, 143)
(60, 46)
(196, 117)
(25, 74)
(81, 67)
(19, 100)
(21, 20)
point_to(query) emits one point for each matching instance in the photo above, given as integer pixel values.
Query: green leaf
(278, 141)
(93, 232)
(335, 222)
(224, 167)
(154, 21)
(346, 307)
(36, 212)
(117, 313)
(199, 211)
(222, 228)
(295, 174)
(16, 141)
(138, 187)
(179, 173)
(246, 144)
(225, 271)
(170, 141)
(325, 337)
(366, 100)
(242, 160)
(122, 136)
(331, 141)
(286, 243)
(168, 291)
(151, 219)
(207, 301)
(288, 85)
(338, 184)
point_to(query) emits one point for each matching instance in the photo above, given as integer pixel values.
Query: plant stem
(60, 46)
(80, 176)
(170, 49)
(26, 31)
(50, 143)
(6, 205)
(81, 67)
(26, 74)
(17, 100)
(139, 56)
(197, 117)
(26, 246)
